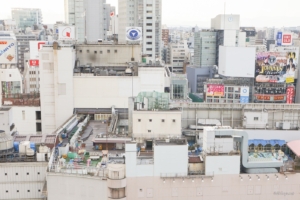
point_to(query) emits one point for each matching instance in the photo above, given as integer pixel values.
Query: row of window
(18, 173)
(33, 72)
(18, 191)
(150, 120)
(101, 52)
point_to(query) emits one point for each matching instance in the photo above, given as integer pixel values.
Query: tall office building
(205, 52)
(88, 16)
(27, 17)
(145, 14)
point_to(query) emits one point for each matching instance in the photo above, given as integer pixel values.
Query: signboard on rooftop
(66, 33)
(8, 51)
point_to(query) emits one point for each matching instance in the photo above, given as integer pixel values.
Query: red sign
(34, 63)
(262, 97)
(112, 14)
(287, 38)
(278, 98)
(290, 92)
(215, 90)
(3, 42)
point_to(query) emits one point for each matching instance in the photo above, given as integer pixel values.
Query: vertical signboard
(215, 90)
(290, 93)
(279, 38)
(244, 96)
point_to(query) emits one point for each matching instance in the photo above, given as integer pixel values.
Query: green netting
(155, 100)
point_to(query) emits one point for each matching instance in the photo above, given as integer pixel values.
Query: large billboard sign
(284, 39)
(290, 93)
(35, 46)
(66, 33)
(8, 51)
(215, 90)
(276, 67)
(134, 34)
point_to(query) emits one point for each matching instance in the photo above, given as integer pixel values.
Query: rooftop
(169, 142)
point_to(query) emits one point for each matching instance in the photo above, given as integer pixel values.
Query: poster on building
(66, 33)
(287, 39)
(244, 96)
(34, 47)
(134, 34)
(290, 93)
(8, 51)
(215, 90)
(277, 66)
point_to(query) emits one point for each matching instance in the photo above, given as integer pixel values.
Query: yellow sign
(289, 80)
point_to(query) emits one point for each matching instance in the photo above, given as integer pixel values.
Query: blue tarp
(256, 142)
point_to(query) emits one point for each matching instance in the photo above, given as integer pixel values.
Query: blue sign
(134, 34)
(279, 38)
(244, 99)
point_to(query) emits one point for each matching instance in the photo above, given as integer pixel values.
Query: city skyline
(267, 13)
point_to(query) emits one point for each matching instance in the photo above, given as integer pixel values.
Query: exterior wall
(27, 17)
(56, 72)
(205, 48)
(215, 165)
(6, 120)
(75, 187)
(197, 76)
(22, 180)
(75, 12)
(229, 22)
(115, 90)
(156, 127)
(178, 55)
(119, 55)
(25, 120)
(225, 187)
(10, 75)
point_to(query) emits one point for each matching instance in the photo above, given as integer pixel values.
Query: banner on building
(290, 93)
(215, 90)
(8, 51)
(276, 67)
(134, 33)
(244, 96)
(66, 33)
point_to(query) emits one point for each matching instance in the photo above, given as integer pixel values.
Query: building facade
(27, 17)
(145, 14)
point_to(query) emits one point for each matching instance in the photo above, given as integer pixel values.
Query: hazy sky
(258, 13)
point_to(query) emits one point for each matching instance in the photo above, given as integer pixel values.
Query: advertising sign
(276, 67)
(290, 93)
(66, 33)
(34, 63)
(261, 97)
(244, 96)
(8, 51)
(286, 39)
(35, 46)
(134, 33)
(215, 90)
(279, 38)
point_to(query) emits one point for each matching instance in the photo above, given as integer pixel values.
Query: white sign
(8, 51)
(134, 33)
(244, 91)
(35, 46)
(66, 33)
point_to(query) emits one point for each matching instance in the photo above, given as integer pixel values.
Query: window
(27, 173)
(162, 120)
(100, 52)
(149, 11)
(38, 173)
(80, 51)
(6, 191)
(149, 24)
(88, 51)
(108, 51)
(149, 131)
(149, 17)
(148, 49)
(174, 120)
(39, 190)
(150, 120)
(255, 118)
(95, 51)
(148, 36)
(149, 42)
(139, 120)
(5, 174)
(17, 190)
(116, 51)
(17, 174)
(149, 30)
(28, 190)
(178, 91)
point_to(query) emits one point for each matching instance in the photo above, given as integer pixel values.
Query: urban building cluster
(109, 104)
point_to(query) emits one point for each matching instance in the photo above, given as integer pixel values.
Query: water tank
(6, 142)
(43, 149)
(32, 146)
(23, 146)
(16, 146)
(29, 152)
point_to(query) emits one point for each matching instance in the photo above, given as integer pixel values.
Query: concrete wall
(222, 165)
(156, 127)
(6, 120)
(22, 180)
(75, 187)
(108, 91)
(225, 187)
(170, 160)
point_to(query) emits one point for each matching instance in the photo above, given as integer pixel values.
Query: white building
(145, 14)
(179, 55)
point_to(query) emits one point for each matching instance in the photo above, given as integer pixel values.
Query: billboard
(66, 33)
(279, 38)
(276, 67)
(290, 93)
(34, 63)
(35, 46)
(237, 61)
(244, 96)
(215, 90)
(134, 34)
(8, 51)
(286, 39)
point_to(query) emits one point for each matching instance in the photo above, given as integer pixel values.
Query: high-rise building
(27, 17)
(165, 36)
(205, 48)
(88, 17)
(145, 14)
